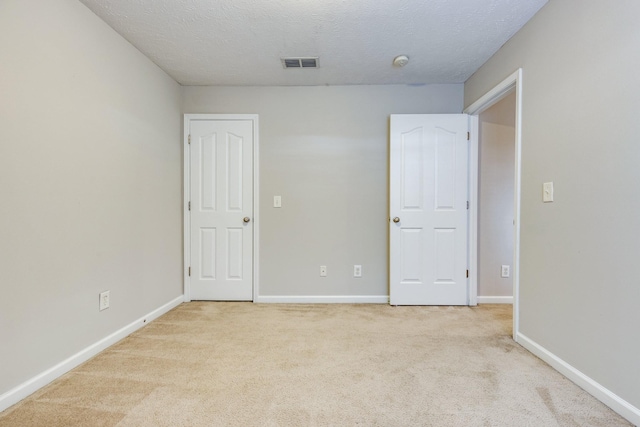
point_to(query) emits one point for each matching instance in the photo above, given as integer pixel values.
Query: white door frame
(187, 191)
(513, 82)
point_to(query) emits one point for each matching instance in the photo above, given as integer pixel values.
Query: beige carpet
(242, 364)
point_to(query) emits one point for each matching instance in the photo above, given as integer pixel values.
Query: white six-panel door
(428, 209)
(221, 212)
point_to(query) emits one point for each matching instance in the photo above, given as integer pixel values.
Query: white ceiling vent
(306, 62)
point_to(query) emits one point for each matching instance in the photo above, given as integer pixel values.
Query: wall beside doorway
(325, 151)
(495, 194)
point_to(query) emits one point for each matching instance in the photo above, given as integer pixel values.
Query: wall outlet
(104, 300)
(323, 271)
(357, 271)
(504, 271)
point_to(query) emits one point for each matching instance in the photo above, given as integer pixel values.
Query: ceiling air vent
(307, 62)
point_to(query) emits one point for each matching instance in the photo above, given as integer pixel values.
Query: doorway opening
(511, 86)
(496, 154)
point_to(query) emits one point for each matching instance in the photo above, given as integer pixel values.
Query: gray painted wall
(90, 178)
(579, 289)
(325, 151)
(495, 193)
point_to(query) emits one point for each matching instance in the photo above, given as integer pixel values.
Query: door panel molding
(255, 218)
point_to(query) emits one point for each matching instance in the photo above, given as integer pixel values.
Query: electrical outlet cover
(357, 271)
(504, 272)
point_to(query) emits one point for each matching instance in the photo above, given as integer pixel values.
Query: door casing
(187, 191)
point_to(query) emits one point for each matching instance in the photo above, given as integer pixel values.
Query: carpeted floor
(243, 364)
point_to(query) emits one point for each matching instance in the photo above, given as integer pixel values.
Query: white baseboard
(606, 396)
(321, 299)
(18, 393)
(495, 300)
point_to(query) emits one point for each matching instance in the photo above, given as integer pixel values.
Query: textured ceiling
(240, 42)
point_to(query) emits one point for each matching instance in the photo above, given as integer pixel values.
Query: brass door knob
(396, 219)
(246, 219)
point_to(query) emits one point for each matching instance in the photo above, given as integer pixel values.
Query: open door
(428, 224)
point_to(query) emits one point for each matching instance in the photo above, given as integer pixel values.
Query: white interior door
(221, 196)
(429, 220)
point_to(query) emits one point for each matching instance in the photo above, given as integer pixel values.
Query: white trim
(490, 98)
(321, 299)
(597, 390)
(516, 205)
(187, 191)
(23, 390)
(256, 207)
(473, 211)
(186, 217)
(495, 300)
(514, 81)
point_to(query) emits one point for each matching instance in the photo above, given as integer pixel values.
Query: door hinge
(468, 136)
(190, 205)
(467, 274)
(189, 271)
(467, 204)
(189, 138)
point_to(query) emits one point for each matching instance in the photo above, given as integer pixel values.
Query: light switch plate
(277, 201)
(547, 192)
(104, 300)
